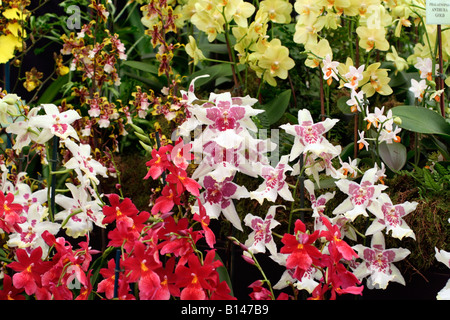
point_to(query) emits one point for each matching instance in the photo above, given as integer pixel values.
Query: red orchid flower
(204, 220)
(10, 292)
(29, 270)
(334, 236)
(119, 210)
(183, 182)
(10, 214)
(302, 253)
(180, 154)
(198, 277)
(177, 238)
(159, 162)
(166, 201)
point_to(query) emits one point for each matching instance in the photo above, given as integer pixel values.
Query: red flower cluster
(303, 253)
(51, 279)
(174, 161)
(161, 259)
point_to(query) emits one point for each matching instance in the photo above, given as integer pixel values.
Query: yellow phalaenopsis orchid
(376, 80)
(275, 62)
(306, 31)
(239, 11)
(317, 52)
(308, 10)
(399, 62)
(370, 38)
(278, 11)
(193, 51)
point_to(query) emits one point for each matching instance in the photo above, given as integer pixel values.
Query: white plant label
(438, 11)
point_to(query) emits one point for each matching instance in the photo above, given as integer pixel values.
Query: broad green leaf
(343, 106)
(275, 109)
(394, 155)
(214, 72)
(347, 151)
(421, 120)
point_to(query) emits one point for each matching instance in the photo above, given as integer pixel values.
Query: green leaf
(143, 66)
(223, 274)
(343, 106)
(347, 151)
(421, 120)
(214, 72)
(430, 183)
(275, 109)
(52, 90)
(394, 155)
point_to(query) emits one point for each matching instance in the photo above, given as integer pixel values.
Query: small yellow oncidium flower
(32, 79)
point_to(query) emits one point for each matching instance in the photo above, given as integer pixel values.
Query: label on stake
(438, 12)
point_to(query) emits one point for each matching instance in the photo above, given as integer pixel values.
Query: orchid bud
(248, 258)
(431, 83)
(398, 120)
(10, 99)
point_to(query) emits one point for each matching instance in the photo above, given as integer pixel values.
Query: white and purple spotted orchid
(309, 135)
(55, 123)
(261, 236)
(226, 119)
(81, 211)
(274, 183)
(187, 99)
(36, 224)
(82, 161)
(317, 204)
(377, 263)
(218, 198)
(24, 131)
(362, 196)
(390, 216)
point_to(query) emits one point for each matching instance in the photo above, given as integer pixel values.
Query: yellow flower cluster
(375, 18)
(269, 59)
(13, 17)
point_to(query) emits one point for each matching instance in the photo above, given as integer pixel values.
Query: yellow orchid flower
(376, 80)
(193, 51)
(14, 14)
(399, 62)
(332, 20)
(278, 11)
(317, 52)
(337, 4)
(239, 11)
(306, 32)
(210, 22)
(275, 62)
(360, 7)
(370, 38)
(8, 44)
(16, 29)
(32, 79)
(308, 9)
